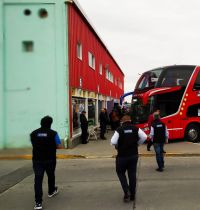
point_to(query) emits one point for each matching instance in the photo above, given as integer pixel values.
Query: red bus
(175, 90)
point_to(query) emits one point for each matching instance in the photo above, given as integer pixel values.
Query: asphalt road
(92, 184)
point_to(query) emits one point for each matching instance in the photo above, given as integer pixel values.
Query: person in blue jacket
(44, 141)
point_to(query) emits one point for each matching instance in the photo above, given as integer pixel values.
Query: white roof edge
(89, 22)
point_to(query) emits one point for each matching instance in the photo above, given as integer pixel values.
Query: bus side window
(193, 111)
(197, 83)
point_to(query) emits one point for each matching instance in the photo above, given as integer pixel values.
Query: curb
(63, 156)
(170, 154)
(29, 157)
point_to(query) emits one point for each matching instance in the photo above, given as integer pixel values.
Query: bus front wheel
(192, 133)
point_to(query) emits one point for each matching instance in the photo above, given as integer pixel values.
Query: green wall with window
(34, 69)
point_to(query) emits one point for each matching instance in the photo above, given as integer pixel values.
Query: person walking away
(84, 127)
(159, 135)
(103, 122)
(44, 141)
(126, 140)
(150, 121)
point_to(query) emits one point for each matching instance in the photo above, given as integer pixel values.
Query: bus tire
(192, 133)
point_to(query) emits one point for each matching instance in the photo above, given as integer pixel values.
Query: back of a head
(46, 122)
(126, 118)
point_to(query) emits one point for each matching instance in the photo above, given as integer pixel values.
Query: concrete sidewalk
(102, 149)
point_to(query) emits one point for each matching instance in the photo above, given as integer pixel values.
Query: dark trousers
(158, 147)
(84, 135)
(128, 164)
(149, 144)
(102, 130)
(40, 167)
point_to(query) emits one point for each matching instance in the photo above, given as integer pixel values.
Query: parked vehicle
(175, 90)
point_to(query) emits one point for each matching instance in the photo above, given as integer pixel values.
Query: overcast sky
(145, 34)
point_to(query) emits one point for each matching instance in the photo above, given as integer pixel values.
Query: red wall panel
(79, 30)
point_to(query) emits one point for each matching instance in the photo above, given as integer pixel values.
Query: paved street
(89, 184)
(89, 181)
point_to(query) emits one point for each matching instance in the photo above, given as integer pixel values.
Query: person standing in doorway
(159, 136)
(45, 141)
(84, 127)
(126, 140)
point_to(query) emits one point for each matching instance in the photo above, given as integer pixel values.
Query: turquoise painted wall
(35, 69)
(1, 78)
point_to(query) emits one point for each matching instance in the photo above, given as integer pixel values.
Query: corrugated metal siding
(79, 31)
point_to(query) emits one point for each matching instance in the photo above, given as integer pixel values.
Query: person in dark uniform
(45, 141)
(150, 121)
(159, 135)
(126, 140)
(103, 123)
(84, 127)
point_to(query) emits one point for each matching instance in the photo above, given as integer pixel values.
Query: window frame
(79, 50)
(91, 60)
(100, 69)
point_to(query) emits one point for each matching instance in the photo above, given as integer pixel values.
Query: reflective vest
(128, 140)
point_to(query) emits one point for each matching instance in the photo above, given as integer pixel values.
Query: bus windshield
(174, 76)
(148, 79)
(139, 111)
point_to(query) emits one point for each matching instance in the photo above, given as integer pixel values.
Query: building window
(79, 50)
(78, 105)
(27, 46)
(91, 60)
(91, 111)
(120, 84)
(109, 75)
(100, 69)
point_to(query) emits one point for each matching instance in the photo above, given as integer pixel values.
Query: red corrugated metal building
(95, 79)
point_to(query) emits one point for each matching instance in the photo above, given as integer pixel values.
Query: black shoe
(38, 206)
(159, 169)
(126, 198)
(53, 193)
(148, 149)
(163, 151)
